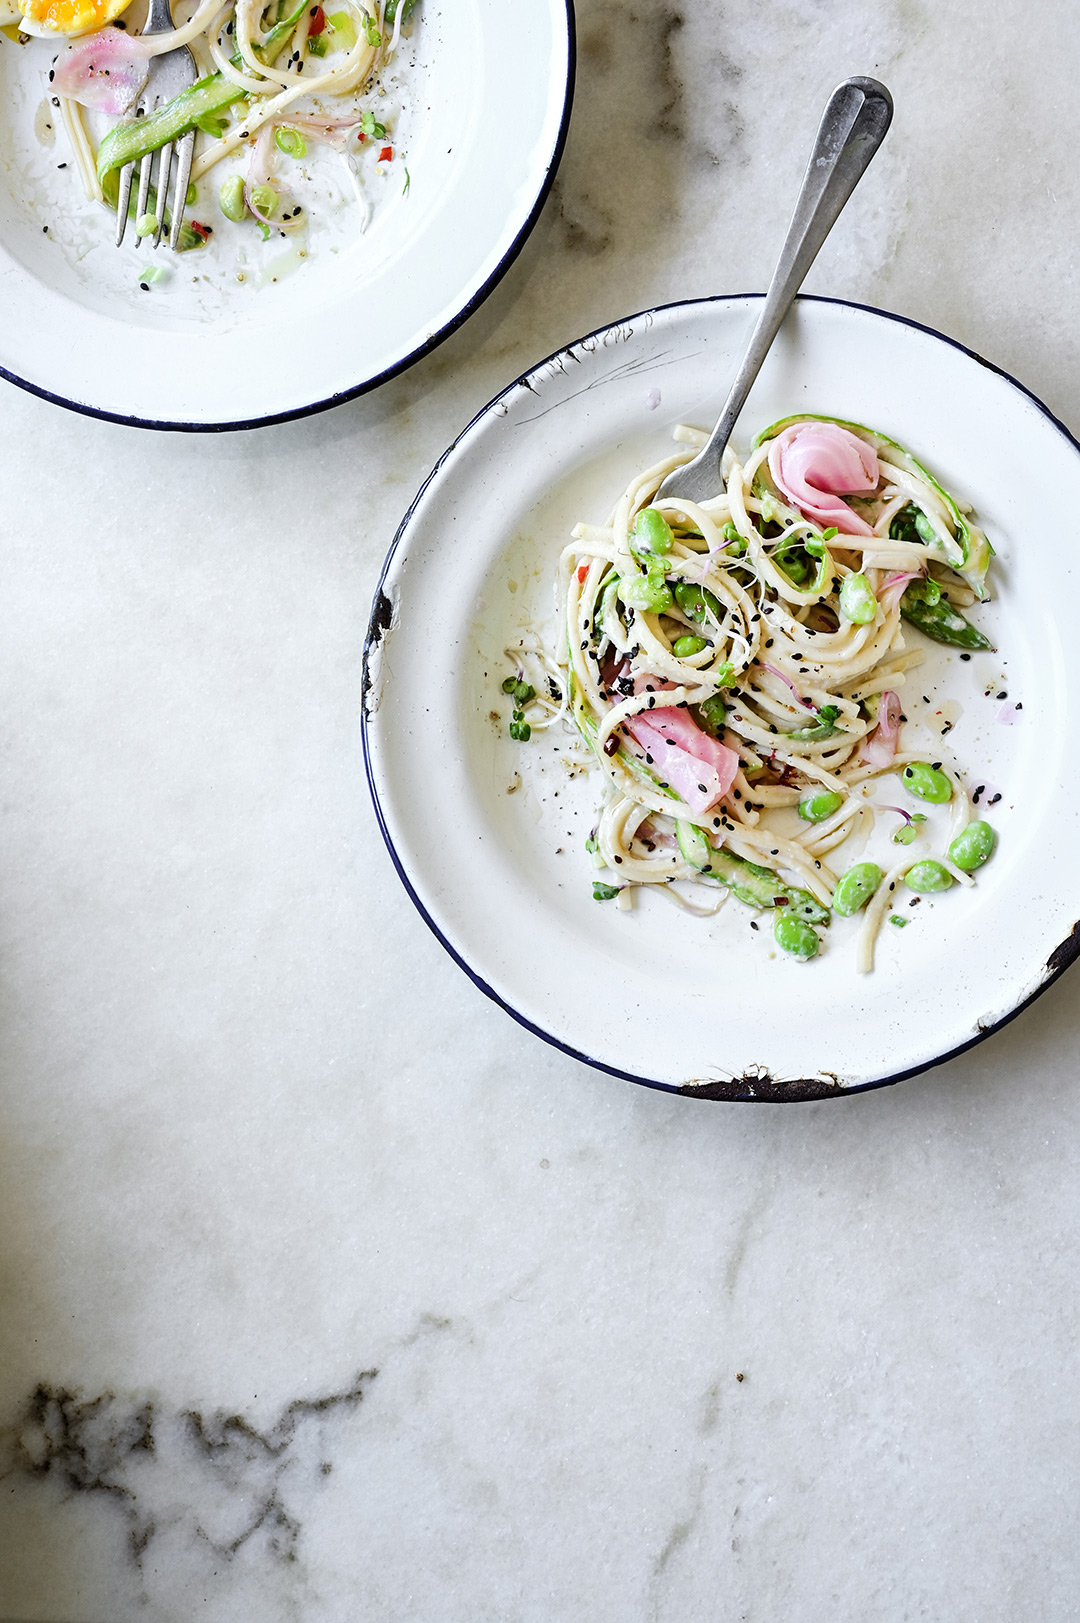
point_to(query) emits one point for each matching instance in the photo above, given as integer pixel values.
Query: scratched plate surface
(489, 836)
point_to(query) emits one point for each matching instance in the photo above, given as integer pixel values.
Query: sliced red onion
(1007, 715)
(879, 747)
(809, 703)
(893, 587)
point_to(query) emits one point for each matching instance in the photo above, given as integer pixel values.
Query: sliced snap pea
(937, 619)
(855, 889)
(857, 601)
(651, 532)
(686, 647)
(822, 728)
(926, 781)
(928, 876)
(822, 803)
(694, 846)
(972, 846)
(794, 935)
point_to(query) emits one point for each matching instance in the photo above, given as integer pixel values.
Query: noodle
(710, 656)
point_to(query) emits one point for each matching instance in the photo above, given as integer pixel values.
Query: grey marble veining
(327, 1293)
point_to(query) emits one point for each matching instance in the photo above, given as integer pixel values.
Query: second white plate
(244, 333)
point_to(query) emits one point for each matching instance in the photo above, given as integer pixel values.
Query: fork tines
(173, 168)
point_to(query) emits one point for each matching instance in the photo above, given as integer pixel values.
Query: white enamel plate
(243, 332)
(488, 835)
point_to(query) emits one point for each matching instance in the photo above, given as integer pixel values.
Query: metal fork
(853, 127)
(169, 74)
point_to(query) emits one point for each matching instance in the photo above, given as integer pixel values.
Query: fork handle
(159, 18)
(852, 128)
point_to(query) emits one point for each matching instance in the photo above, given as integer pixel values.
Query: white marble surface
(326, 1292)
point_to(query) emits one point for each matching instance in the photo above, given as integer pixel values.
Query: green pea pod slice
(969, 552)
(942, 623)
(127, 143)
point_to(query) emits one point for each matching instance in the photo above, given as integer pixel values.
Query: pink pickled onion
(106, 70)
(879, 747)
(699, 768)
(894, 586)
(813, 463)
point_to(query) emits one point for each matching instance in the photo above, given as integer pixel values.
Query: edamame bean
(855, 889)
(265, 199)
(652, 532)
(926, 781)
(794, 935)
(231, 198)
(927, 877)
(695, 601)
(857, 601)
(821, 804)
(684, 647)
(711, 715)
(972, 846)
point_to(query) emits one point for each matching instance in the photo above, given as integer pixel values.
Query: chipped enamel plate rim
(488, 128)
(652, 995)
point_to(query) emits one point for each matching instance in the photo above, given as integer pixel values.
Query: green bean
(926, 877)
(855, 889)
(857, 601)
(794, 935)
(928, 782)
(972, 846)
(651, 533)
(822, 803)
(686, 647)
(231, 198)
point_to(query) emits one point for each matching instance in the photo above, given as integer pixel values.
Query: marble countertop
(327, 1293)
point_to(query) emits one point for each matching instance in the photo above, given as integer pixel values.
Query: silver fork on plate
(169, 74)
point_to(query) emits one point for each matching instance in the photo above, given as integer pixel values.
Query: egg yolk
(72, 16)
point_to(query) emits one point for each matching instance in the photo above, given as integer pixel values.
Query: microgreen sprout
(604, 893)
(909, 828)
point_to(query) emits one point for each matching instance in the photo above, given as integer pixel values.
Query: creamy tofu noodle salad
(735, 668)
(274, 80)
